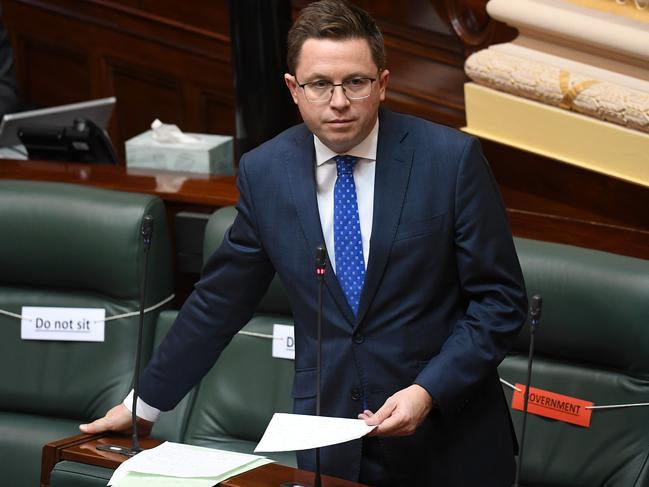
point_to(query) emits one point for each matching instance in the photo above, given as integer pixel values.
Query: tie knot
(345, 164)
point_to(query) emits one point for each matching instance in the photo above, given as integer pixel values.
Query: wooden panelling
(72, 84)
(198, 15)
(158, 58)
(217, 112)
(551, 200)
(154, 93)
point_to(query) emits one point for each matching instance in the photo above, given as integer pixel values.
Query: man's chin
(339, 141)
(339, 145)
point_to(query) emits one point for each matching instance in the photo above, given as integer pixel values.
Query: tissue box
(212, 154)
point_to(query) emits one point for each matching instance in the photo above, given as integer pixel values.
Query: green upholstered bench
(593, 343)
(65, 245)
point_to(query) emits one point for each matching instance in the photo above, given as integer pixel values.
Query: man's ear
(384, 77)
(292, 86)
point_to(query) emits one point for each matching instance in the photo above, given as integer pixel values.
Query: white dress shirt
(326, 175)
(364, 171)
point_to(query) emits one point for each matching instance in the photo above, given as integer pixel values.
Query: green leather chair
(65, 245)
(593, 344)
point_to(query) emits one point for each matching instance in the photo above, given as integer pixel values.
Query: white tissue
(166, 133)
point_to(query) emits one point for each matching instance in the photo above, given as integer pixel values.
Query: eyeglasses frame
(333, 88)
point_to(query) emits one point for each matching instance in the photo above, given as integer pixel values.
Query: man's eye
(321, 84)
(355, 82)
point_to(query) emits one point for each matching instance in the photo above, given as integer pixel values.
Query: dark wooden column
(264, 108)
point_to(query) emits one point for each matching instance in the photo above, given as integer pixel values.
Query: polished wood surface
(205, 190)
(83, 449)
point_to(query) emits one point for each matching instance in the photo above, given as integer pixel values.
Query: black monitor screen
(83, 141)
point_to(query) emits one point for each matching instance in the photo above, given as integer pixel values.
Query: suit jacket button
(356, 394)
(358, 337)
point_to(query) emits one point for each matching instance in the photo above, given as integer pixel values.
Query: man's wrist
(144, 411)
(431, 404)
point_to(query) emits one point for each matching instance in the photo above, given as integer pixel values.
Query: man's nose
(338, 97)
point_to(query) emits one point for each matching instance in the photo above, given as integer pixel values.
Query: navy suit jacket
(443, 300)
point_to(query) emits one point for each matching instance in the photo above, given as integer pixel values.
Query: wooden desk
(176, 187)
(83, 449)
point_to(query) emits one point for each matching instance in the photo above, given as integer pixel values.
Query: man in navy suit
(426, 296)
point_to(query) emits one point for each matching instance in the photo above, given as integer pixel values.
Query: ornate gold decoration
(557, 87)
(634, 9)
(571, 92)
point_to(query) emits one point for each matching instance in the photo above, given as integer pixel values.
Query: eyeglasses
(321, 91)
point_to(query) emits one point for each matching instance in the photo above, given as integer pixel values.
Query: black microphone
(320, 261)
(320, 271)
(147, 237)
(536, 307)
(147, 230)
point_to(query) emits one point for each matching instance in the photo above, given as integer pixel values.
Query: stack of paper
(178, 465)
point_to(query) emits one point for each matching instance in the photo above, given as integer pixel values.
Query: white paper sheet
(291, 432)
(178, 460)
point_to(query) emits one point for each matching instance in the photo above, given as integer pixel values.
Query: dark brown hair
(334, 19)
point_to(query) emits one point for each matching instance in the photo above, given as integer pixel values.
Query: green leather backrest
(593, 343)
(75, 246)
(275, 300)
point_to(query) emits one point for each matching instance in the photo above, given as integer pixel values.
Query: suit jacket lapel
(393, 163)
(300, 169)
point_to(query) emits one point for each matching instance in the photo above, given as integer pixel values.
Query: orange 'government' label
(552, 405)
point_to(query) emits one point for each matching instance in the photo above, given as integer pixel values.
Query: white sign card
(68, 324)
(284, 341)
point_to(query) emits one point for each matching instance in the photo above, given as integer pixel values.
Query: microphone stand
(320, 270)
(147, 235)
(535, 319)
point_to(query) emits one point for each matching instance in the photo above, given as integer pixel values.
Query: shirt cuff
(144, 411)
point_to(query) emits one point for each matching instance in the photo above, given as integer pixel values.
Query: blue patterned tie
(348, 245)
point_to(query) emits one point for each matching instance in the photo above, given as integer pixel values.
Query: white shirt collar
(365, 150)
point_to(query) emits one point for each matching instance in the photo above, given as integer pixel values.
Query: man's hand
(401, 414)
(118, 419)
